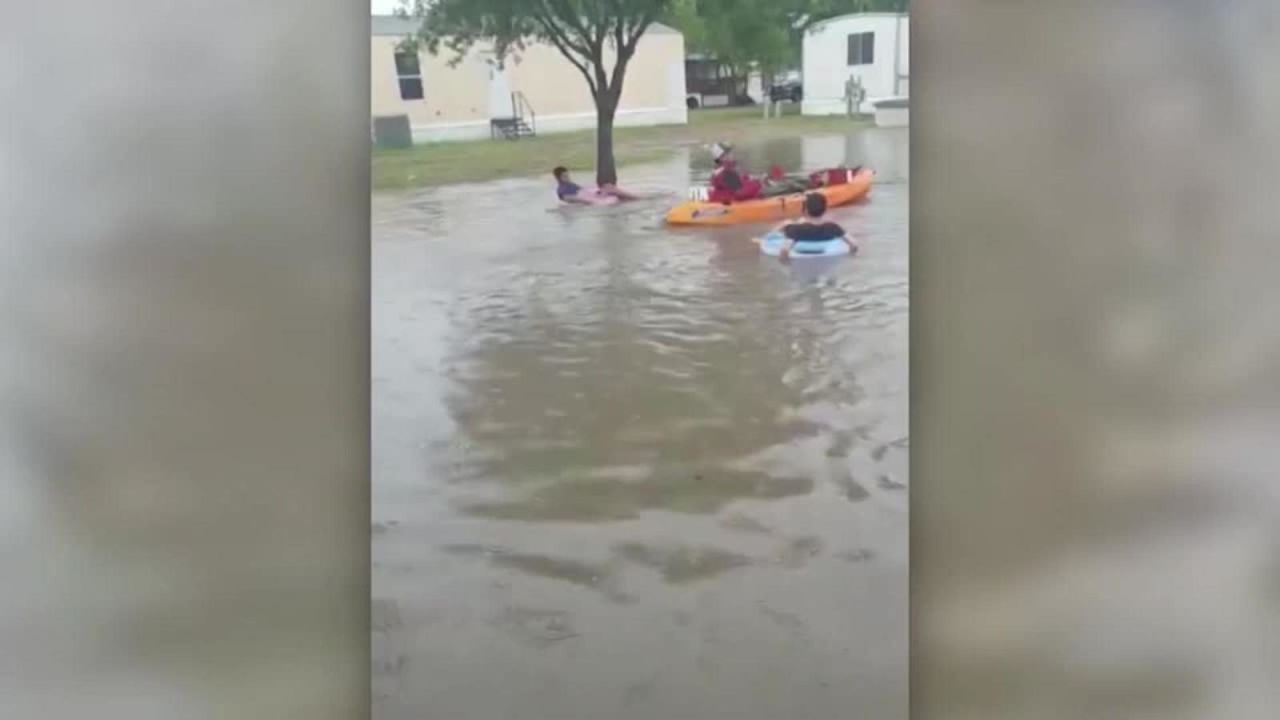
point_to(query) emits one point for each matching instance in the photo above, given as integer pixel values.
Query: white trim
(855, 16)
(567, 122)
(839, 107)
(825, 107)
(501, 99)
(444, 132)
(892, 117)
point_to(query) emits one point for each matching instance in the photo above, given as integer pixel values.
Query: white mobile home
(444, 102)
(872, 47)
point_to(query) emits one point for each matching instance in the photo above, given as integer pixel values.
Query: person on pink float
(570, 192)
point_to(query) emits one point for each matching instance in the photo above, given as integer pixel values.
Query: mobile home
(539, 86)
(870, 47)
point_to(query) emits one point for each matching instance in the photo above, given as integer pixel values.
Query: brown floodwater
(625, 471)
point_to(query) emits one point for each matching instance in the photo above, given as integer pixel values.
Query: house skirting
(837, 107)
(892, 117)
(479, 129)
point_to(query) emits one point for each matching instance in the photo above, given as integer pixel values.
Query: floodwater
(623, 471)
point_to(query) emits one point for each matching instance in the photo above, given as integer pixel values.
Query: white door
(500, 106)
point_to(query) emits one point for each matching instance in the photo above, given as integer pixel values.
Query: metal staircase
(522, 123)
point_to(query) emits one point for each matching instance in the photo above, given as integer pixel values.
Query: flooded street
(624, 471)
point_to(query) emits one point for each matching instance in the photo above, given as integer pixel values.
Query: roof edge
(397, 26)
(852, 16)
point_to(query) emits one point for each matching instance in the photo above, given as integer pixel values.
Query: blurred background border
(1093, 377)
(185, 354)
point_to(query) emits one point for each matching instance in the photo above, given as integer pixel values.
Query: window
(410, 75)
(701, 70)
(862, 48)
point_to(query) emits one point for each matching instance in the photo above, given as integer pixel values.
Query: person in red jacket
(728, 185)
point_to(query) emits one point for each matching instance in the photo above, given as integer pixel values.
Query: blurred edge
(1095, 351)
(184, 524)
(185, 520)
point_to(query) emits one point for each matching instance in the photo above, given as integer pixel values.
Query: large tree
(598, 37)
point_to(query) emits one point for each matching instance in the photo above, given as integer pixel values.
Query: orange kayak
(696, 212)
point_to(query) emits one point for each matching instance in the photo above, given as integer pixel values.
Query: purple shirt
(567, 189)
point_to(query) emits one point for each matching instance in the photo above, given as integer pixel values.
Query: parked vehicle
(788, 88)
(694, 100)
(708, 83)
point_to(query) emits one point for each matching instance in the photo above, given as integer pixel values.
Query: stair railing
(520, 105)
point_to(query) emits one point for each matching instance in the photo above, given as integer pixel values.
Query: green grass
(446, 163)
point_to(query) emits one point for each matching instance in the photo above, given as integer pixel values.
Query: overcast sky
(383, 7)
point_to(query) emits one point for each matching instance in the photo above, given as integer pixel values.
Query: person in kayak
(728, 184)
(778, 184)
(570, 192)
(813, 227)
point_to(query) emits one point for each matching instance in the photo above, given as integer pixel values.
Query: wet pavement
(624, 471)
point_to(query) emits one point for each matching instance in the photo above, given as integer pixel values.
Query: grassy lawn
(445, 163)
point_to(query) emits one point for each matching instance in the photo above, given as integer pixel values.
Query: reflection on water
(605, 498)
(594, 434)
(681, 564)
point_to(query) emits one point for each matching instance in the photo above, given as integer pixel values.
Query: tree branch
(619, 41)
(546, 14)
(619, 47)
(602, 80)
(637, 30)
(565, 12)
(626, 40)
(591, 49)
(599, 24)
(567, 49)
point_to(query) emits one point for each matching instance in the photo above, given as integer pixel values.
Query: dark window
(708, 77)
(411, 89)
(407, 64)
(700, 70)
(409, 73)
(862, 48)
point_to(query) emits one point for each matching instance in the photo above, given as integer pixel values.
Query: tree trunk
(606, 167)
(766, 90)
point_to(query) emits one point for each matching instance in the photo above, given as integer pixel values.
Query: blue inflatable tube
(772, 243)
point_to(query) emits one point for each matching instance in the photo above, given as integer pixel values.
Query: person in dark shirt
(813, 227)
(569, 191)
